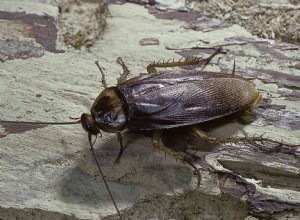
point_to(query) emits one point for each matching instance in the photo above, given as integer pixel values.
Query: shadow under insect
(141, 172)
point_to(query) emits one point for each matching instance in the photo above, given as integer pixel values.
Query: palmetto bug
(168, 99)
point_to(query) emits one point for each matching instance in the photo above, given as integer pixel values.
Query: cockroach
(166, 99)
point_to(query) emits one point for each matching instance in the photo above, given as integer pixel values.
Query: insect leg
(201, 134)
(156, 143)
(207, 60)
(233, 70)
(122, 148)
(103, 81)
(125, 73)
(151, 68)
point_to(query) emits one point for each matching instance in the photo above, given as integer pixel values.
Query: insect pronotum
(164, 100)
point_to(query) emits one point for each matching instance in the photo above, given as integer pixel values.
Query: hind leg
(257, 141)
(151, 68)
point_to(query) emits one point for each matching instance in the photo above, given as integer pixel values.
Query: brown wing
(165, 101)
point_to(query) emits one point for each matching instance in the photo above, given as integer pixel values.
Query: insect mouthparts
(88, 124)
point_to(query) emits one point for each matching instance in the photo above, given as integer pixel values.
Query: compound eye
(88, 124)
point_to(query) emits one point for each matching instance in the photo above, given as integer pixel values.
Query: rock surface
(47, 172)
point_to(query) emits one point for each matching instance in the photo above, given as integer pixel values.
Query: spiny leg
(207, 60)
(201, 134)
(151, 68)
(125, 73)
(156, 143)
(103, 81)
(233, 70)
(122, 148)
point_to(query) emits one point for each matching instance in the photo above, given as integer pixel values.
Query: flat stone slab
(47, 172)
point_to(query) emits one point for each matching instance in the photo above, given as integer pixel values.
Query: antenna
(91, 149)
(101, 173)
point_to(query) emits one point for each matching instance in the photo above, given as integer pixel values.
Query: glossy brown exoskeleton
(168, 99)
(171, 99)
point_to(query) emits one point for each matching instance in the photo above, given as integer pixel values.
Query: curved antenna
(42, 122)
(101, 172)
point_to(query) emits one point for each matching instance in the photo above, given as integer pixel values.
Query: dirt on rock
(271, 19)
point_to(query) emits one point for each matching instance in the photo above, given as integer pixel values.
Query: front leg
(122, 147)
(125, 73)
